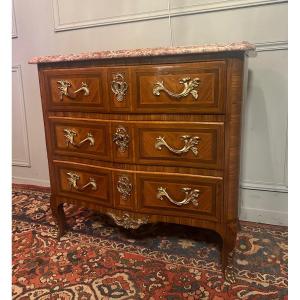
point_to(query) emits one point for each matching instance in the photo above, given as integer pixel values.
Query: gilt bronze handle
(189, 87)
(190, 196)
(74, 177)
(70, 135)
(190, 143)
(63, 89)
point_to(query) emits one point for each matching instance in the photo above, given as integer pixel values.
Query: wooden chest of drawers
(147, 135)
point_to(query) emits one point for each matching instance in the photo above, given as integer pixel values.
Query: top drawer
(180, 88)
(197, 87)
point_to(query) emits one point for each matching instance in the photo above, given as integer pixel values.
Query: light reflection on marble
(208, 48)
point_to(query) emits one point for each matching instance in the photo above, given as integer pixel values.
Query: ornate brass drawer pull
(63, 89)
(121, 138)
(74, 177)
(119, 86)
(190, 143)
(128, 221)
(70, 136)
(124, 187)
(190, 196)
(189, 84)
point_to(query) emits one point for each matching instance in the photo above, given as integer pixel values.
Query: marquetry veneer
(147, 136)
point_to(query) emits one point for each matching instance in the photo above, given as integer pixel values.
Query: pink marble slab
(208, 48)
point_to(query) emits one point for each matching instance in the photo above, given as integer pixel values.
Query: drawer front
(197, 87)
(84, 182)
(81, 138)
(198, 144)
(180, 195)
(76, 89)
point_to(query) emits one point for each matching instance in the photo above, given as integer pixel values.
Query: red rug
(96, 260)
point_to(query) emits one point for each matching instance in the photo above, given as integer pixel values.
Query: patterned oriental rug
(97, 260)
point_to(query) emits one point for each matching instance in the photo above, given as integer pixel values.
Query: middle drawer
(191, 144)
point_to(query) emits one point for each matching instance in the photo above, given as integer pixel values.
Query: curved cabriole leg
(228, 246)
(59, 215)
(227, 260)
(61, 220)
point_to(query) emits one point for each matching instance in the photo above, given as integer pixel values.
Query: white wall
(68, 26)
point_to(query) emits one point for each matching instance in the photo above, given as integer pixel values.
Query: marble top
(208, 48)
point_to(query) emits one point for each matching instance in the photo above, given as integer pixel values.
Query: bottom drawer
(168, 194)
(180, 195)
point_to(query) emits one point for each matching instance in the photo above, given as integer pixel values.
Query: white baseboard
(263, 206)
(264, 216)
(31, 181)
